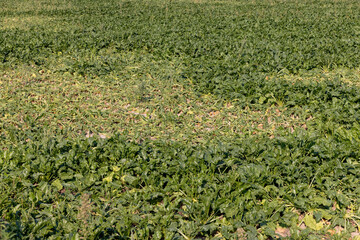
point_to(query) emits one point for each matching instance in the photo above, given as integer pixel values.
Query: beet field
(180, 119)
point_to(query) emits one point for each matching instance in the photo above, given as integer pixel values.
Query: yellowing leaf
(109, 178)
(311, 223)
(262, 100)
(57, 184)
(123, 178)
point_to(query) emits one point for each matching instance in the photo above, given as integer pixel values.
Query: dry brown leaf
(331, 231)
(103, 136)
(229, 105)
(89, 134)
(302, 226)
(338, 229)
(355, 234)
(283, 232)
(334, 206)
(214, 114)
(241, 234)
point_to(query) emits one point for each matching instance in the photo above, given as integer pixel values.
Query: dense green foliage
(161, 190)
(216, 41)
(299, 179)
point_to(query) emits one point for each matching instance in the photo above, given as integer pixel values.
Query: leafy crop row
(216, 41)
(116, 189)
